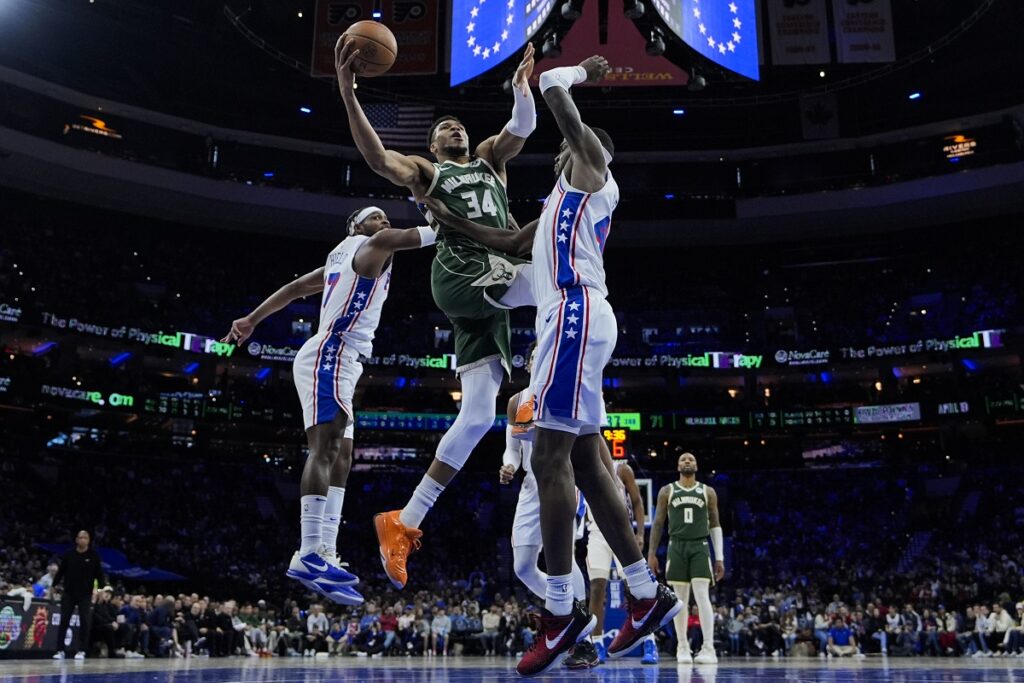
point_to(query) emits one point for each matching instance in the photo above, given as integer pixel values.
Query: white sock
(640, 580)
(579, 584)
(311, 520)
(683, 593)
(332, 517)
(559, 595)
(423, 498)
(702, 596)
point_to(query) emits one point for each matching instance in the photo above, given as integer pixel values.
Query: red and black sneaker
(644, 617)
(555, 637)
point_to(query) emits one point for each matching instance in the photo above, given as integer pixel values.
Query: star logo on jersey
(571, 334)
(567, 213)
(563, 238)
(563, 225)
(574, 305)
(572, 319)
(327, 367)
(360, 295)
(358, 305)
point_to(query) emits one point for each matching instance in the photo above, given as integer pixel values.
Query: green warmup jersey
(466, 278)
(688, 513)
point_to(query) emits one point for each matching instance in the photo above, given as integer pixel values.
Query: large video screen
(724, 31)
(487, 32)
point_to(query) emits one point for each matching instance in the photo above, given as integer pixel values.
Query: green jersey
(688, 513)
(473, 191)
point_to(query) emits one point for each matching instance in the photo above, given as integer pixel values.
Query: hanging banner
(819, 116)
(799, 31)
(863, 31)
(616, 38)
(414, 23)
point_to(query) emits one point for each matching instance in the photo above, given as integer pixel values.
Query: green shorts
(467, 284)
(689, 560)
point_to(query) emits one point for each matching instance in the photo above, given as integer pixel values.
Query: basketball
(377, 48)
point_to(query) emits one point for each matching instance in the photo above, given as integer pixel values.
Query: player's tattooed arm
(658, 527)
(514, 242)
(589, 165)
(310, 283)
(408, 171)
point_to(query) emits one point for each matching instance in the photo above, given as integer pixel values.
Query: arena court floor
(502, 669)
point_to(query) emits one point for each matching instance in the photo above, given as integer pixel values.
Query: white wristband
(718, 541)
(562, 77)
(524, 114)
(427, 235)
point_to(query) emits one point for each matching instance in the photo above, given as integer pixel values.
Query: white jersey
(569, 245)
(351, 303)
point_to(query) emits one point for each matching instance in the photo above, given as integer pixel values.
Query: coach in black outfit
(80, 570)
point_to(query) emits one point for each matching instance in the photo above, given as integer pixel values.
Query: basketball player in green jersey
(468, 280)
(692, 512)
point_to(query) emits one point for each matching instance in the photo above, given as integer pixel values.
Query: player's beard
(688, 472)
(456, 150)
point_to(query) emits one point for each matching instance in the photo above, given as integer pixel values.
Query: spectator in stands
(157, 639)
(372, 640)
(983, 627)
(336, 640)
(186, 629)
(105, 628)
(491, 621)
(966, 637)
(80, 570)
(841, 642)
(946, 622)
(1015, 636)
(389, 625)
(928, 636)
(46, 580)
(1002, 623)
(316, 629)
(788, 630)
(440, 628)
(875, 632)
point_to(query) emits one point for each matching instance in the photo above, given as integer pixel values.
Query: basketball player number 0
(478, 208)
(688, 516)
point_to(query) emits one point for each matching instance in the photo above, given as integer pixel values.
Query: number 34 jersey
(473, 191)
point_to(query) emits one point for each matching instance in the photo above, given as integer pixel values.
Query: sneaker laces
(412, 538)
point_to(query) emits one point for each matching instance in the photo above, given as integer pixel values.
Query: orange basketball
(377, 48)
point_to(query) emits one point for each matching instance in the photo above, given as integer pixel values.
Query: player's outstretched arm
(589, 165)
(374, 255)
(506, 145)
(405, 170)
(513, 242)
(310, 283)
(658, 527)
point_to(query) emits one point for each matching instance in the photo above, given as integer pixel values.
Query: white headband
(365, 213)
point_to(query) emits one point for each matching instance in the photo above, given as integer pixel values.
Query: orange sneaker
(396, 542)
(522, 426)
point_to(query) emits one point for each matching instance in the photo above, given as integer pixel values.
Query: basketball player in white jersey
(526, 538)
(576, 333)
(355, 283)
(600, 556)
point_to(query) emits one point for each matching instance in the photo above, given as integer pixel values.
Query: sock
(332, 517)
(579, 585)
(683, 593)
(423, 498)
(559, 595)
(311, 519)
(702, 596)
(640, 580)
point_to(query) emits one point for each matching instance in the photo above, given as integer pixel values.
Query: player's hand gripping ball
(376, 45)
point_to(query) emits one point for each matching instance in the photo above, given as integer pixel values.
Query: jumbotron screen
(724, 31)
(487, 32)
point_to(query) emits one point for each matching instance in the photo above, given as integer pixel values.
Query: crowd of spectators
(821, 562)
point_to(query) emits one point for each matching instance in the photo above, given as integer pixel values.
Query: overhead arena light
(655, 43)
(552, 48)
(572, 9)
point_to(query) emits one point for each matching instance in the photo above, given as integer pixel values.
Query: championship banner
(864, 31)
(414, 23)
(616, 38)
(799, 31)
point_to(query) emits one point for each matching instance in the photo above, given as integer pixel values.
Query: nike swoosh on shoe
(551, 645)
(640, 624)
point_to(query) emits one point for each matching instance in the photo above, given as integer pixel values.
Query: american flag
(401, 126)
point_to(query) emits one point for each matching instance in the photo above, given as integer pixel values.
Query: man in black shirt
(80, 570)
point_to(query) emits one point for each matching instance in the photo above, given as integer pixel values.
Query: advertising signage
(894, 412)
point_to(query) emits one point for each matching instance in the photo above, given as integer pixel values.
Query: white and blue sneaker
(342, 595)
(318, 568)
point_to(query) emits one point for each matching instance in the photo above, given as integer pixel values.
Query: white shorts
(326, 371)
(526, 525)
(599, 555)
(575, 340)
